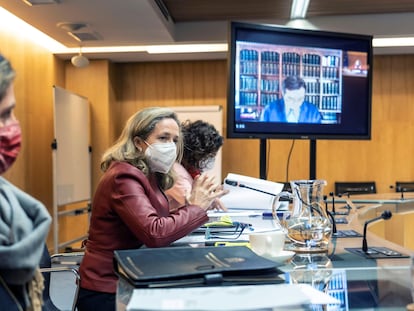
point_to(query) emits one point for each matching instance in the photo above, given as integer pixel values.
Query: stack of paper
(256, 297)
(245, 192)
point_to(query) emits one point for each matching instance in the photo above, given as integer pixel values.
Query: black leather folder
(200, 266)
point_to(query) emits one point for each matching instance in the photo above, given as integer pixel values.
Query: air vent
(163, 9)
(85, 36)
(40, 2)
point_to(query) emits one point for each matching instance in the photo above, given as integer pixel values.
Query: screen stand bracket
(312, 159)
(263, 158)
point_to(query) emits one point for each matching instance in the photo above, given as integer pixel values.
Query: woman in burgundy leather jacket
(130, 209)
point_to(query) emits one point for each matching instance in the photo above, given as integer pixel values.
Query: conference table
(380, 280)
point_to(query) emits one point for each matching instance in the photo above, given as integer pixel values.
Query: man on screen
(292, 108)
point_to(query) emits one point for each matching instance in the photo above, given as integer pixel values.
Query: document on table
(241, 197)
(256, 222)
(247, 297)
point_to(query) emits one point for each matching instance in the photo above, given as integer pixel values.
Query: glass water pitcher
(306, 223)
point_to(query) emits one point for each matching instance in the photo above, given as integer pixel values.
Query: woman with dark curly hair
(202, 141)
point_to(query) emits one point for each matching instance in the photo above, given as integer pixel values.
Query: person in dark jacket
(292, 108)
(130, 209)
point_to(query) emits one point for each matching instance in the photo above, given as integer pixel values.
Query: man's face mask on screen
(294, 98)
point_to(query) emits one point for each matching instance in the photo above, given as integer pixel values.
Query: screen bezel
(299, 131)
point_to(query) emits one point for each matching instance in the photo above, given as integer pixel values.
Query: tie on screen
(291, 117)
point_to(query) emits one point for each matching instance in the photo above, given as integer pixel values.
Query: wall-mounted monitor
(298, 84)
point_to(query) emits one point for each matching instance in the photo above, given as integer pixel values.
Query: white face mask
(161, 156)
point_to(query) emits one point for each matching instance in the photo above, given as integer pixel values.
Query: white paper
(244, 198)
(247, 297)
(235, 213)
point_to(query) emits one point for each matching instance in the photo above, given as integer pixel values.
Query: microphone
(385, 215)
(399, 189)
(348, 195)
(344, 194)
(237, 184)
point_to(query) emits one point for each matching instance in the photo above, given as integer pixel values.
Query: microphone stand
(399, 189)
(340, 195)
(385, 215)
(331, 216)
(333, 202)
(237, 184)
(333, 222)
(258, 190)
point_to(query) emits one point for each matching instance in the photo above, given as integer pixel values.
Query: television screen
(291, 83)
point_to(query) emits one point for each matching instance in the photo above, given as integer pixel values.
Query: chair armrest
(62, 269)
(73, 258)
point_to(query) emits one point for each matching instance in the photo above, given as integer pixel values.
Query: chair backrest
(404, 186)
(358, 187)
(46, 268)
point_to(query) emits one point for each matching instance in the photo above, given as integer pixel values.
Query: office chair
(404, 186)
(65, 262)
(359, 187)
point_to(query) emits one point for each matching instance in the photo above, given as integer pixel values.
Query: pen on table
(281, 214)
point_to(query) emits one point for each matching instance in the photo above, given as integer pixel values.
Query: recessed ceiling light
(39, 2)
(393, 41)
(299, 9)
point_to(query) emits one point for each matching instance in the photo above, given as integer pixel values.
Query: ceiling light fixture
(153, 49)
(79, 60)
(299, 9)
(392, 42)
(186, 48)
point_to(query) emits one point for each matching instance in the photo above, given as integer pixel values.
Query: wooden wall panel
(36, 74)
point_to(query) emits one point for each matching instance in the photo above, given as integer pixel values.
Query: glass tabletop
(357, 288)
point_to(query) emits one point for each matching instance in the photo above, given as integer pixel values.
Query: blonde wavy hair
(141, 125)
